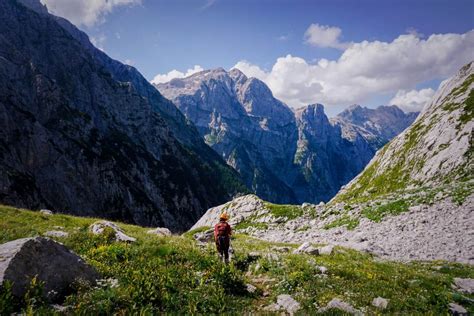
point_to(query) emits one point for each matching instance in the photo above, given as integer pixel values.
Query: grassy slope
(173, 274)
(396, 177)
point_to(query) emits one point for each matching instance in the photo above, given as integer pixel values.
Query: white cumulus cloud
(324, 36)
(162, 78)
(365, 69)
(85, 12)
(413, 100)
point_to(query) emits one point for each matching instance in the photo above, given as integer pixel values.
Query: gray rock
(99, 226)
(306, 248)
(336, 303)
(160, 231)
(56, 233)
(288, 303)
(464, 285)
(457, 310)
(326, 250)
(50, 261)
(46, 212)
(380, 302)
(251, 288)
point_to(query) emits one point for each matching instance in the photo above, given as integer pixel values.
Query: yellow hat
(224, 216)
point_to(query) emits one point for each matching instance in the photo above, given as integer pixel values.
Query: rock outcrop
(283, 156)
(51, 262)
(436, 149)
(84, 134)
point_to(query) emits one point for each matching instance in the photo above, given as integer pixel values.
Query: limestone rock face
(84, 134)
(283, 156)
(241, 120)
(51, 262)
(436, 148)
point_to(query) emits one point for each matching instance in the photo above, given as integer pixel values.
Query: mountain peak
(35, 5)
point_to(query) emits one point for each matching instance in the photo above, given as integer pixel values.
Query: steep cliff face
(328, 155)
(284, 157)
(436, 149)
(83, 134)
(378, 126)
(241, 120)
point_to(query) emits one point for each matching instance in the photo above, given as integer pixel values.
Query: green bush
(344, 220)
(377, 213)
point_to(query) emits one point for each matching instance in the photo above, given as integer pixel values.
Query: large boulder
(52, 263)
(239, 209)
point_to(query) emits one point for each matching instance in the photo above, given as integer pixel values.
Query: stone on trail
(56, 233)
(457, 310)
(336, 303)
(380, 302)
(52, 263)
(288, 303)
(160, 231)
(465, 286)
(99, 226)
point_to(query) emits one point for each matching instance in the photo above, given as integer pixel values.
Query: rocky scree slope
(83, 134)
(437, 149)
(282, 156)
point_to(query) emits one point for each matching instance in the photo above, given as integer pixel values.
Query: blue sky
(160, 36)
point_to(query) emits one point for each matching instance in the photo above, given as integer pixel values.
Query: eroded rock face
(50, 261)
(283, 156)
(436, 148)
(87, 135)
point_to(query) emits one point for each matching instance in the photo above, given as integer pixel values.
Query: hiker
(222, 232)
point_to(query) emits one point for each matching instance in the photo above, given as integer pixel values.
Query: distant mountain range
(82, 133)
(282, 156)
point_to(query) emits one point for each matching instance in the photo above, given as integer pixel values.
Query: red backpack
(223, 229)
